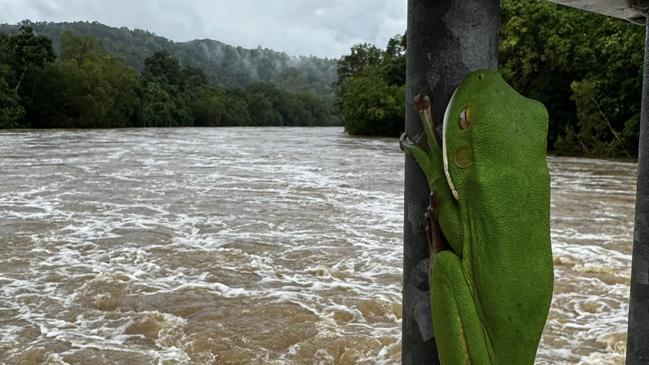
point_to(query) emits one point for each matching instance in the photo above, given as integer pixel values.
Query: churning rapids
(257, 246)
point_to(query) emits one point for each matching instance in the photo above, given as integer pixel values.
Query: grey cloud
(298, 27)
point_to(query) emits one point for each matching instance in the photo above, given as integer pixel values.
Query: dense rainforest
(82, 85)
(586, 69)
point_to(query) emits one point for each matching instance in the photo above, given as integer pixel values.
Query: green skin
(491, 284)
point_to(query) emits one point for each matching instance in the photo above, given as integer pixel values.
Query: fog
(297, 27)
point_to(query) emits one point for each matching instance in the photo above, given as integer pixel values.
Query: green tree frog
(491, 275)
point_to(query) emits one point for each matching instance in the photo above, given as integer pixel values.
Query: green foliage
(11, 112)
(595, 135)
(394, 61)
(270, 106)
(22, 56)
(26, 54)
(371, 88)
(5, 51)
(209, 108)
(193, 78)
(80, 48)
(162, 68)
(586, 69)
(372, 107)
(161, 108)
(361, 55)
(90, 88)
(87, 88)
(163, 102)
(225, 66)
(237, 111)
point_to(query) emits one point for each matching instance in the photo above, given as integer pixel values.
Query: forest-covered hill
(225, 66)
(85, 86)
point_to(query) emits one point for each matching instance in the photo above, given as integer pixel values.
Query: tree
(371, 87)
(11, 112)
(372, 107)
(87, 88)
(353, 64)
(586, 69)
(193, 78)
(595, 134)
(208, 108)
(162, 109)
(80, 48)
(393, 66)
(26, 53)
(262, 104)
(162, 68)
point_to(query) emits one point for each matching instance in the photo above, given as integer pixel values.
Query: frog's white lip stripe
(444, 152)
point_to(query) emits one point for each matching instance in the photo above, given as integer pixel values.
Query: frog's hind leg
(460, 336)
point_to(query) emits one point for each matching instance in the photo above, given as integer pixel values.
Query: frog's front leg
(430, 160)
(460, 336)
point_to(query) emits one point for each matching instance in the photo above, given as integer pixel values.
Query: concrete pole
(446, 40)
(638, 333)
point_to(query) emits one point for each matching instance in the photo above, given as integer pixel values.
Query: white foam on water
(190, 245)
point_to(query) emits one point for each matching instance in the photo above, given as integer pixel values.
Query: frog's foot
(408, 146)
(434, 236)
(419, 153)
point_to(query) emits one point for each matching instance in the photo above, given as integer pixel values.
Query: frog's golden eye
(465, 122)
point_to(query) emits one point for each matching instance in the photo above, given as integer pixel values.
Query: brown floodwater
(257, 246)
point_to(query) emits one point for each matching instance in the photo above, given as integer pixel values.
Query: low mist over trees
(225, 66)
(87, 87)
(586, 69)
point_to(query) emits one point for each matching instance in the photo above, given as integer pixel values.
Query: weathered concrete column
(446, 40)
(638, 333)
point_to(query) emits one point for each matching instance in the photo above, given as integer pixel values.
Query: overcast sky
(324, 28)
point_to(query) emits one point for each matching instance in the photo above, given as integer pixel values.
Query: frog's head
(491, 132)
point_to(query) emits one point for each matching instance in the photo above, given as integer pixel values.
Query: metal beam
(623, 9)
(446, 39)
(638, 333)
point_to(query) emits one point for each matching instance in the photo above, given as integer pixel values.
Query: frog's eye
(465, 123)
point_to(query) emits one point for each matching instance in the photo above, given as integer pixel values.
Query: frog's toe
(406, 144)
(421, 102)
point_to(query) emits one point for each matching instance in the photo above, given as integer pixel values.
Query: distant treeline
(226, 66)
(86, 87)
(586, 69)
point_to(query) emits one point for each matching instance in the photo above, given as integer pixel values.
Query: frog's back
(513, 270)
(508, 212)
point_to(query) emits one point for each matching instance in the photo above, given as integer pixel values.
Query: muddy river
(257, 246)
